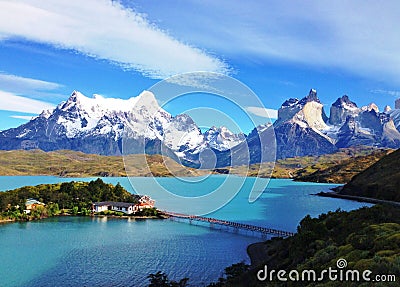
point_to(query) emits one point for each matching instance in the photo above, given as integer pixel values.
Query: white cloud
(28, 118)
(263, 112)
(198, 81)
(106, 30)
(386, 92)
(12, 82)
(11, 102)
(357, 36)
(32, 88)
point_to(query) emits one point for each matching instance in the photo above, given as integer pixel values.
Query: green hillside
(340, 172)
(338, 167)
(381, 180)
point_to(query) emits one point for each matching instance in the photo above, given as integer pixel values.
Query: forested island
(68, 198)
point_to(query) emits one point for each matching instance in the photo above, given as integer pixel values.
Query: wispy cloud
(198, 81)
(33, 88)
(11, 102)
(357, 36)
(263, 112)
(104, 30)
(386, 92)
(22, 117)
(11, 82)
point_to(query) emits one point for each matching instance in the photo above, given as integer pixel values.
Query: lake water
(77, 251)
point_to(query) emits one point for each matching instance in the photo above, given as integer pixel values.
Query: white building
(124, 207)
(144, 201)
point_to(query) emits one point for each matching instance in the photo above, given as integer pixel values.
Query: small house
(144, 201)
(32, 204)
(124, 207)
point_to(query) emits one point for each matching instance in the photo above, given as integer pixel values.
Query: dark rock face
(340, 109)
(397, 104)
(294, 140)
(351, 135)
(369, 128)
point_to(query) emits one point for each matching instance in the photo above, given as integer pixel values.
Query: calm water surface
(75, 251)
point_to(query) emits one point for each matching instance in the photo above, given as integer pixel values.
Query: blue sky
(279, 49)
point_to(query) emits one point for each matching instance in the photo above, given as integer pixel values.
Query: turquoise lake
(77, 251)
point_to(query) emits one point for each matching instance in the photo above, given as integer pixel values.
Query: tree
(52, 209)
(160, 279)
(74, 210)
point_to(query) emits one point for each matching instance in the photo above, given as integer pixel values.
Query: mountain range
(109, 126)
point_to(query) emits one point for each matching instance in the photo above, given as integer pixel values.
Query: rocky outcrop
(397, 104)
(342, 108)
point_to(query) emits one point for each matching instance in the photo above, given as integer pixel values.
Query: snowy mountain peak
(147, 98)
(311, 97)
(344, 102)
(290, 102)
(387, 109)
(371, 107)
(222, 138)
(308, 109)
(99, 104)
(46, 114)
(312, 94)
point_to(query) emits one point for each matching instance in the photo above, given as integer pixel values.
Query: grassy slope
(343, 171)
(77, 164)
(381, 180)
(338, 167)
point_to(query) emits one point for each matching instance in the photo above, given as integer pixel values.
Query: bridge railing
(244, 226)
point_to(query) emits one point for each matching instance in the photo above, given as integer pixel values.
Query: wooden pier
(213, 223)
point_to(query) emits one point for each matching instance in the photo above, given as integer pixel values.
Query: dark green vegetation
(71, 197)
(77, 164)
(160, 279)
(381, 180)
(338, 167)
(368, 239)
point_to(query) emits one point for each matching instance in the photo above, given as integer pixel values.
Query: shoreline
(5, 221)
(258, 252)
(334, 194)
(160, 216)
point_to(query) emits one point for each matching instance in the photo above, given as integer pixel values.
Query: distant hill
(338, 167)
(77, 164)
(342, 172)
(381, 180)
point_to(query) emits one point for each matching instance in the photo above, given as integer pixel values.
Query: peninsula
(73, 198)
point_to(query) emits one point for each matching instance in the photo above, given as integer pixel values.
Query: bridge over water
(230, 225)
